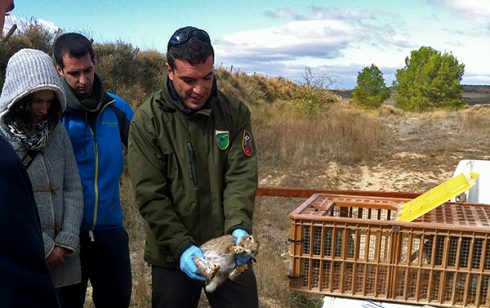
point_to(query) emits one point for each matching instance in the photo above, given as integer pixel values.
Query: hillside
(472, 94)
(476, 94)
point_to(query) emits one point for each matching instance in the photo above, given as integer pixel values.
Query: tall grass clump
(339, 134)
(476, 120)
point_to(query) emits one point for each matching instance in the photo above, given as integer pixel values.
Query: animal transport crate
(352, 246)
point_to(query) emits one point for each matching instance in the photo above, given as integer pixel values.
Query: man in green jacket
(192, 161)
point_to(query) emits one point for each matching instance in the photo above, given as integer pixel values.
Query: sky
(333, 39)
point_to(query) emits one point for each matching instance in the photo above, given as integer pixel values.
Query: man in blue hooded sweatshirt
(97, 123)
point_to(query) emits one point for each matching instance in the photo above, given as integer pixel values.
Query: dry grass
(271, 227)
(476, 120)
(340, 134)
(254, 89)
(141, 293)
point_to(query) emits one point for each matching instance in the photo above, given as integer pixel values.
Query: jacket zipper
(96, 175)
(192, 163)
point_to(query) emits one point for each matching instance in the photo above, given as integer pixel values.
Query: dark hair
(75, 44)
(21, 113)
(193, 51)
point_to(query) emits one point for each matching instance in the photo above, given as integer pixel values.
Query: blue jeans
(172, 288)
(105, 261)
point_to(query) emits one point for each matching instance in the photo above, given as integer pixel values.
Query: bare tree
(323, 81)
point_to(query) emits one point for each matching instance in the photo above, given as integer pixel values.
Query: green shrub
(309, 100)
(128, 72)
(371, 90)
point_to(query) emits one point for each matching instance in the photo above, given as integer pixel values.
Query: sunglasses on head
(183, 36)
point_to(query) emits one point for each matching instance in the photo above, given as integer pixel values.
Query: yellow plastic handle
(438, 195)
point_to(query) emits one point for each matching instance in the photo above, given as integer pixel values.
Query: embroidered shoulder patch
(247, 143)
(222, 139)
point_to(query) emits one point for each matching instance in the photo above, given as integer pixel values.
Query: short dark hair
(21, 114)
(75, 44)
(193, 50)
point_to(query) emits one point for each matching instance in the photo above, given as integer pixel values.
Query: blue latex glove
(238, 234)
(187, 264)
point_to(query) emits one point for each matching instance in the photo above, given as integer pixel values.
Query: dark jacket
(99, 154)
(195, 175)
(25, 281)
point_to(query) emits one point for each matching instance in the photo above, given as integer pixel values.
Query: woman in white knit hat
(31, 105)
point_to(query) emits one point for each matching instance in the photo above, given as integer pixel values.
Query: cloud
(23, 24)
(284, 14)
(295, 39)
(343, 14)
(476, 13)
(474, 10)
(317, 12)
(48, 25)
(310, 40)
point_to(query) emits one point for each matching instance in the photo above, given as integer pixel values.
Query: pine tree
(430, 80)
(371, 90)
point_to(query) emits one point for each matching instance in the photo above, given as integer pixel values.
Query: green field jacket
(195, 176)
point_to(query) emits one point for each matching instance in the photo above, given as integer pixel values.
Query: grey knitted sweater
(58, 194)
(53, 173)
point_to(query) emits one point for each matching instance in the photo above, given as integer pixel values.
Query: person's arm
(147, 165)
(241, 176)
(129, 114)
(22, 262)
(124, 114)
(68, 237)
(48, 243)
